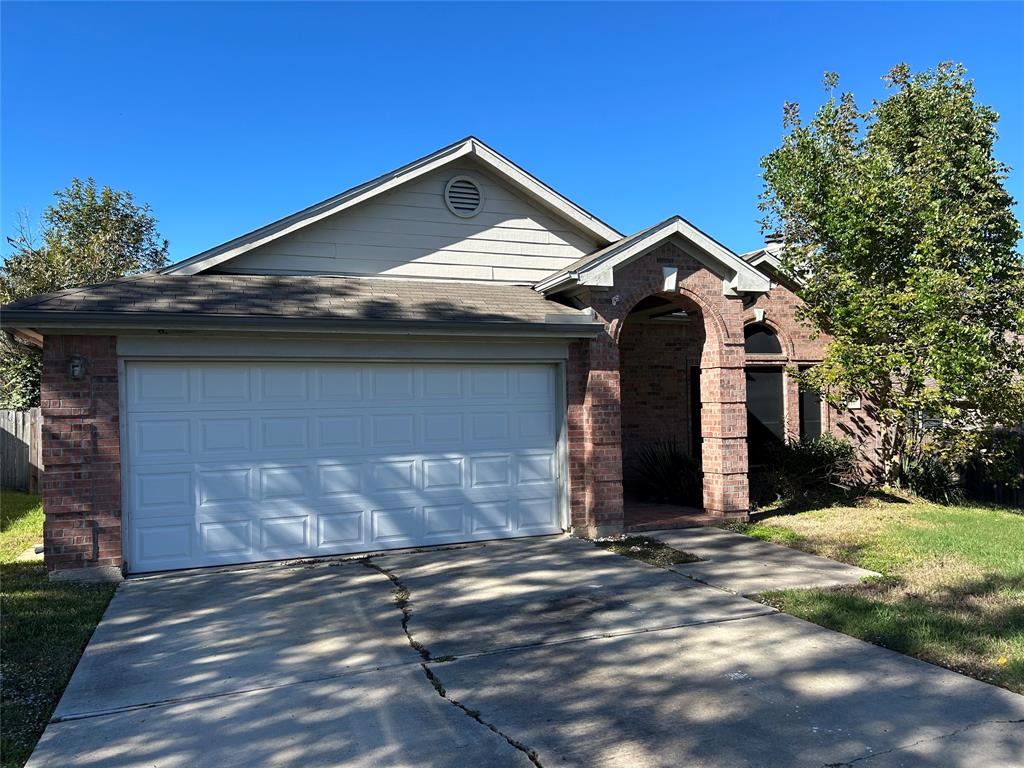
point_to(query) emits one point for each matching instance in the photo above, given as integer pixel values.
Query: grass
(952, 585)
(44, 627)
(21, 524)
(647, 549)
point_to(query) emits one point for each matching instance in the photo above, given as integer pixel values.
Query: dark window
(810, 413)
(761, 340)
(765, 419)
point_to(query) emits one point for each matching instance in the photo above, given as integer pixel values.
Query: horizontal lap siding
(410, 233)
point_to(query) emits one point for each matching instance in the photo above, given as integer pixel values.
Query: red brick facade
(631, 385)
(81, 453)
(595, 412)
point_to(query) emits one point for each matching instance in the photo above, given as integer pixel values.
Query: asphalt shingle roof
(300, 297)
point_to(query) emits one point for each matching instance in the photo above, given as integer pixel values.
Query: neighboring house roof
(471, 146)
(226, 302)
(597, 268)
(769, 255)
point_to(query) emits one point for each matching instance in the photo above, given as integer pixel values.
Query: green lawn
(43, 629)
(952, 590)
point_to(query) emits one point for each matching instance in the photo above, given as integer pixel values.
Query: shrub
(929, 477)
(662, 472)
(806, 471)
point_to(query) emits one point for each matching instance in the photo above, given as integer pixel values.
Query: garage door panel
(391, 525)
(285, 483)
(222, 384)
(169, 542)
(339, 479)
(219, 436)
(491, 517)
(340, 530)
(340, 432)
(537, 514)
(246, 462)
(158, 493)
(284, 535)
(224, 485)
(160, 439)
(393, 431)
(391, 383)
(283, 384)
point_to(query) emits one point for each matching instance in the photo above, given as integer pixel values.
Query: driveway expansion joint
(402, 600)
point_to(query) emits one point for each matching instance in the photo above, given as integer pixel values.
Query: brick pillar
(595, 446)
(81, 484)
(723, 387)
(791, 408)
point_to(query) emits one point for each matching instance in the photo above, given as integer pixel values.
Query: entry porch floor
(647, 516)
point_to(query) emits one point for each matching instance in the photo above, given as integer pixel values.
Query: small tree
(88, 236)
(901, 237)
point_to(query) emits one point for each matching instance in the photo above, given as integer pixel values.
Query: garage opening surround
(376, 372)
(250, 460)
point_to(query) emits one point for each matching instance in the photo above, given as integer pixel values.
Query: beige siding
(410, 233)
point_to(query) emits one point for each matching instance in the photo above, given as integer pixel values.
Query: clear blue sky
(226, 116)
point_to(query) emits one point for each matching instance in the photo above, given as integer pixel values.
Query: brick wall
(81, 454)
(655, 362)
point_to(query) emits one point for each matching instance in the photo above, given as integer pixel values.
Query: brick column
(595, 446)
(81, 454)
(723, 388)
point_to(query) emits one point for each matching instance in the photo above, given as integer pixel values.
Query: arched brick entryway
(594, 390)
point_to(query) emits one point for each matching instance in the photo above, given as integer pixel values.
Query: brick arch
(714, 323)
(788, 345)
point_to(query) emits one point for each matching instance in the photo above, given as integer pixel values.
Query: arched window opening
(759, 339)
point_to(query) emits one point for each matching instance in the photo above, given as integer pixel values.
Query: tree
(87, 236)
(902, 239)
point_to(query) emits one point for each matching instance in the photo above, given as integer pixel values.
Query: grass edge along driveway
(44, 627)
(952, 590)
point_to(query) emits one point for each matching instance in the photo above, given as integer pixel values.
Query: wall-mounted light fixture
(76, 367)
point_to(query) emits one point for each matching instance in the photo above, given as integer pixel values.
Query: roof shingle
(299, 297)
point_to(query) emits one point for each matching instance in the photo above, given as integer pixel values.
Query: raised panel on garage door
(241, 462)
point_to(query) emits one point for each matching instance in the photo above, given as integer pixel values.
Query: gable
(521, 203)
(599, 268)
(410, 232)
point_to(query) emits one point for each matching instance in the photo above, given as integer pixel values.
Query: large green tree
(902, 239)
(87, 236)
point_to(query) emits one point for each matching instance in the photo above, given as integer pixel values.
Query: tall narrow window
(810, 413)
(765, 412)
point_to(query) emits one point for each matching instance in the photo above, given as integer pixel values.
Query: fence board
(21, 449)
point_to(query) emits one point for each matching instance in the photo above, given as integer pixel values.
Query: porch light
(76, 367)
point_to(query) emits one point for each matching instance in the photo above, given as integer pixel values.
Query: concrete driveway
(531, 652)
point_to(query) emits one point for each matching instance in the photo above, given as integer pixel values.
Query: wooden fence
(21, 450)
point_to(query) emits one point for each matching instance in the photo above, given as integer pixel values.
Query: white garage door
(239, 462)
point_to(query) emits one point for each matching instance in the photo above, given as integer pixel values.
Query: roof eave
(85, 322)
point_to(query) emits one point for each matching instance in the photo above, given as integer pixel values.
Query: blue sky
(226, 116)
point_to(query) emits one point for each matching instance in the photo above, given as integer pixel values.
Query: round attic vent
(463, 197)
